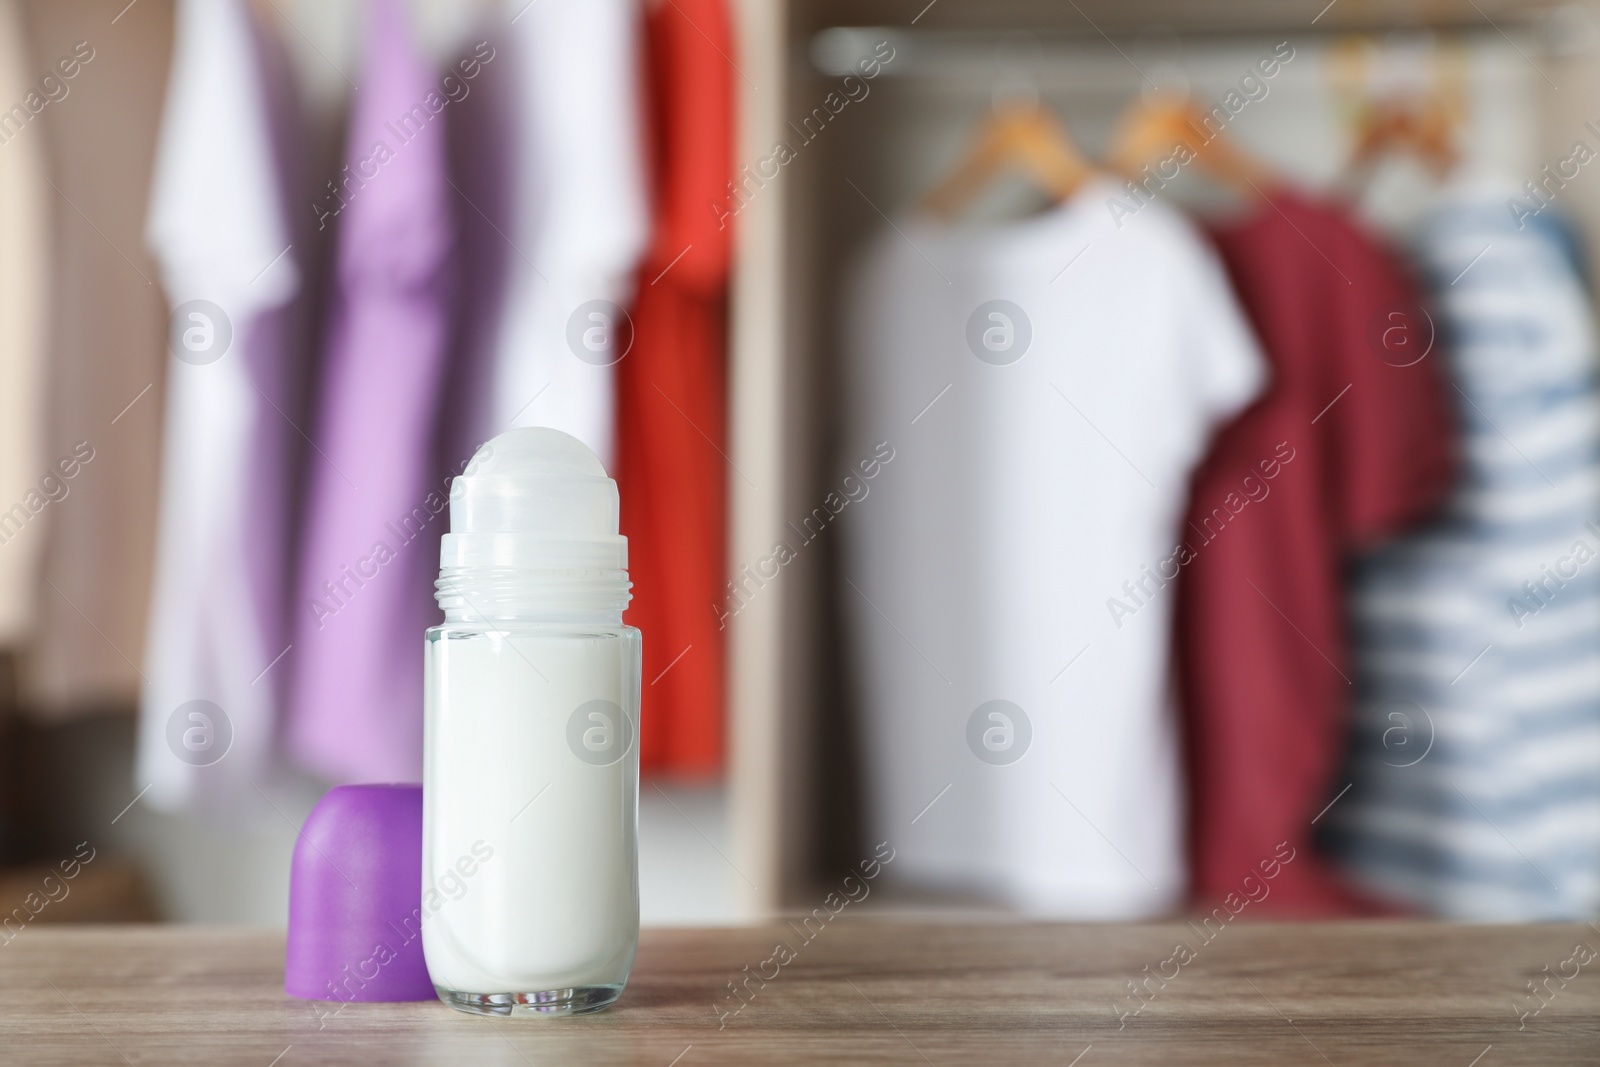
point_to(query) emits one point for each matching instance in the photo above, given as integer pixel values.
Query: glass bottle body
(530, 814)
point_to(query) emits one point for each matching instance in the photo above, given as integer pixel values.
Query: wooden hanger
(1424, 129)
(1424, 125)
(1155, 128)
(1019, 134)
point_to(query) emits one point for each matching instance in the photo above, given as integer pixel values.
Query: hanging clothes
(1029, 401)
(24, 262)
(671, 392)
(234, 387)
(1352, 442)
(1476, 752)
(96, 122)
(581, 219)
(482, 146)
(377, 507)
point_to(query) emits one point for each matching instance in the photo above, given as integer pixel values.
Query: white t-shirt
(1024, 491)
(582, 218)
(218, 228)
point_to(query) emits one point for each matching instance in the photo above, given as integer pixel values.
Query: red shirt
(1357, 406)
(671, 422)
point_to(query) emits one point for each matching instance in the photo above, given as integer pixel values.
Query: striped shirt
(1475, 749)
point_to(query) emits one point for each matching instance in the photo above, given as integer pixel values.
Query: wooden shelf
(1182, 16)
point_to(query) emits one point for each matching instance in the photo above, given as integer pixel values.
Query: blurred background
(1121, 459)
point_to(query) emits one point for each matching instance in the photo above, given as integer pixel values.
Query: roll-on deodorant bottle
(530, 881)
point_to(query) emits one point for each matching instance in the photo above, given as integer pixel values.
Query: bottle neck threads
(505, 577)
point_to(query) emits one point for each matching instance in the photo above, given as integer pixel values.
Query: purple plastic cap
(355, 898)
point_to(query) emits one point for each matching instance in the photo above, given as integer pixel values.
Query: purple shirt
(376, 505)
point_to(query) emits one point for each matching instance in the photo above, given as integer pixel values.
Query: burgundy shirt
(1352, 441)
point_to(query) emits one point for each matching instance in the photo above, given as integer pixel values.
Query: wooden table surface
(861, 992)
